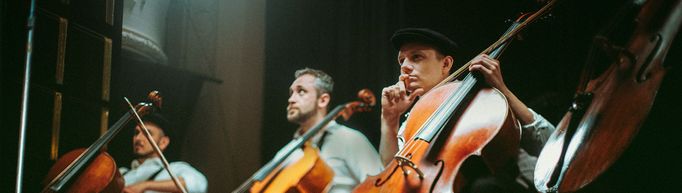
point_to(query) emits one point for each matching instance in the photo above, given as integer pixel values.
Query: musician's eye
(417, 57)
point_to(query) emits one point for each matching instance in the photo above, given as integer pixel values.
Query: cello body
(610, 109)
(484, 127)
(101, 175)
(308, 174)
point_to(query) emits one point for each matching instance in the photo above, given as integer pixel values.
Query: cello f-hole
(440, 172)
(380, 182)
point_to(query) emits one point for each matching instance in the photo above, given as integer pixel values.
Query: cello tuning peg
(367, 97)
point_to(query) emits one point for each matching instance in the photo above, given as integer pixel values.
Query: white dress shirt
(195, 181)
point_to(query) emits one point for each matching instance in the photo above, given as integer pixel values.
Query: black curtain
(347, 39)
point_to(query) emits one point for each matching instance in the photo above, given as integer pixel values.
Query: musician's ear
(163, 142)
(323, 100)
(447, 63)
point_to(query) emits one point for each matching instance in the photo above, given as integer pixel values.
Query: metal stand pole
(24, 97)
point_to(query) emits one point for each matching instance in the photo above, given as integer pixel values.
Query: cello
(308, 174)
(450, 124)
(610, 107)
(93, 169)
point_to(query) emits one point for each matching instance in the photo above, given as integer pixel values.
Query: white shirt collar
(154, 161)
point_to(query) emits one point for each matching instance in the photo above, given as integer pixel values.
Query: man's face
(423, 65)
(302, 99)
(142, 147)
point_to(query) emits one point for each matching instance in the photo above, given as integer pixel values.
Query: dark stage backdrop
(347, 39)
(350, 41)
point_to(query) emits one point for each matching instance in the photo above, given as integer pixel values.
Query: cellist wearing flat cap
(426, 58)
(146, 172)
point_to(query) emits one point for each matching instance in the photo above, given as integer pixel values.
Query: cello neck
(516, 28)
(497, 52)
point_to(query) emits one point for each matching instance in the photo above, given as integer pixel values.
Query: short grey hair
(323, 82)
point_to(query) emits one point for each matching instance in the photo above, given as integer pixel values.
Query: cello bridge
(405, 164)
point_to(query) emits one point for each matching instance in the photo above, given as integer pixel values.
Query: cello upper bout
(308, 174)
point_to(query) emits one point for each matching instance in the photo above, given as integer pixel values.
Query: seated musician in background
(426, 58)
(147, 173)
(347, 151)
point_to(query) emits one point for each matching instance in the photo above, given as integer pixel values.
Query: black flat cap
(423, 35)
(159, 120)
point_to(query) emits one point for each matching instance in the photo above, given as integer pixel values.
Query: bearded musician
(347, 151)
